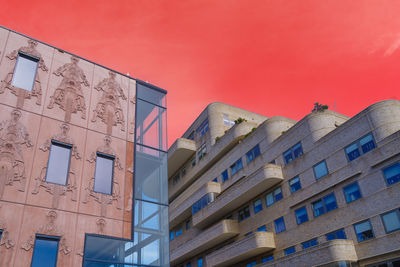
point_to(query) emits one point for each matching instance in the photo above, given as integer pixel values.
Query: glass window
(392, 173)
(151, 95)
(188, 224)
(203, 128)
(225, 175)
(258, 206)
(324, 205)
(290, 250)
(189, 265)
(1, 233)
(253, 153)
(352, 151)
(292, 153)
(262, 228)
(237, 166)
(103, 177)
(215, 180)
(294, 184)
(352, 192)
(363, 231)
(171, 235)
(274, 196)
(309, 243)
(191, 136)
(367, 143)
(280, 225)
(244, 213)
(249, 233)
(301, 215)
(338, 234)
(267, 259)
(193, 162)
(391, 221)
(202, 151)
(176, 179)
(320, 170)
(25, 72)
(202, 202)
(361, 146)
(45, 251)
(178, 232)
(251, 264)
(200, 262)
(228, 122)
(58, 164)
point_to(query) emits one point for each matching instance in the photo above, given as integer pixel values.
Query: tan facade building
(247, 190)
(67, 131)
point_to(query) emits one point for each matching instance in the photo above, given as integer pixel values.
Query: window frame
(347, 186)
(297, 217)
(112, 158)
(235, 165)
(252, 153)
(28, 57)
(290, 250)
(63, 145)
(322, 199)
(357, 234)
(273, 196)
(254, 206)
(244, 210)
(46, 237)
(284, 225)
(227, 176)
(291, 150)
(359, 147)
(203, 128)
(335, 233)
(326, 167)
(387, 167)
(290, 186)
(202, 151)
(397, 211)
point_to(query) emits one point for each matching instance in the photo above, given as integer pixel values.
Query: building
(247, 190)
(67, 157)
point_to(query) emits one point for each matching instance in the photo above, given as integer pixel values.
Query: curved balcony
(179, 152)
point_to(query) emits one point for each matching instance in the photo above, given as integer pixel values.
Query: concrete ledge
(179, 152)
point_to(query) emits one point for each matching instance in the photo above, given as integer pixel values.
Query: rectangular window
(267, 259)
(176, 179)
(359, 147)
(225, 175)
(257, 206)
(280, 225)
(200, 262)
(193, 162)
(171, 235)
(191, 136)
(251, 264)
(352, 192)
(253, 153)
(249, 233)
(290, 250)
(262, 228)
(237, 166)
(363, 231)
(25, 71)
(183, 171)
(228, 122)
(45, 251)
(103, 177)
(391, 221)
(215, 180)
(338, 234)
(244, 213)
(189, 265)
(274, 196)
(203, 128)
(301, 215)
(320, 170)
(392, 173)
(178, 232)
(293, 152)
(309, 243)
(188, 224)
(294, 184)
(324, 205)
(58, 164)
(202, 151)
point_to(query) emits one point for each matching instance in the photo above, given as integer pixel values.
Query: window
(188, 264)
(188, 224)
(25, 71)
(244, 213)
(202, 151)
(391, 221)
(267, 259)
(237, 166)
(200, 262)
(191, 136)
(183, 171)
(309, 243)
(262, 228)
(292, 153)
(274, 196)
(290, 250)
(352, 192)
(294, 184)
(249, 233)
(338, 234)
(251, 264)
(215, 180)
(178, 232)
(324, 205)
(202, 202)
(176, 179)
(359, 147)
(258, 206)
(1, 233)
(280, 225)
(58, 164)
(225, 175)
(320, 170)
(203, 128)
(301, 215)
(392, 173)
(193, 162)
(253, 153)
(45, 251)
(228, 122)
(171, 235)
(103, 176)
(363, 231)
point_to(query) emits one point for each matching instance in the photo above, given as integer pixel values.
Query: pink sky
(273, 57)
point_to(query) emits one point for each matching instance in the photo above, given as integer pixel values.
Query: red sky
(273, 57)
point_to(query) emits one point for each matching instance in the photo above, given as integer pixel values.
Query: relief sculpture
(37, 88)
(13, 136)
(54, 189)
(69, 94)
(103, 199)
(5, 236)
(109, 109)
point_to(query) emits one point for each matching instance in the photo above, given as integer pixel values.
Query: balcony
(213, 236)
(178, 153)
(259, 242)
(240, 192)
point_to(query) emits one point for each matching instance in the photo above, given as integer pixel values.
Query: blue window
(215, 180)
(359, 147)
(338, 234)
(202, 202)
(202, 151)
(244, 213)
(352, 192)
(203, 128)
(309, 243)
(363, 231)
(249, 233)
(267, 259)
(200, 262)
(258, 206)
(171, 235)
(253, 153)
(189, 265)
(292, 153)
(225, 175)
(191, 136)
(262, 228)
(251, 264)
(290, 250)
(45, 251)
(391, 221)
(294, 184)
(392, 173)
(280, 225)
(301, 215)
(324, 205)
(178, 232)
(237, 166)
(274, 196)
(320, 170)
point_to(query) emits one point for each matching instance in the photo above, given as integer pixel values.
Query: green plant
(239, 120)
(217, 138)
(319, 107)
(252, 130)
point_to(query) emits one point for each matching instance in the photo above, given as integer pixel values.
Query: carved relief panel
(131, 110)
(10, 222)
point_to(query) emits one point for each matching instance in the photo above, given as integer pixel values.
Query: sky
(273, 57)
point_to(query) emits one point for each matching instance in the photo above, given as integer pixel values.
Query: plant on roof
(319, 107)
